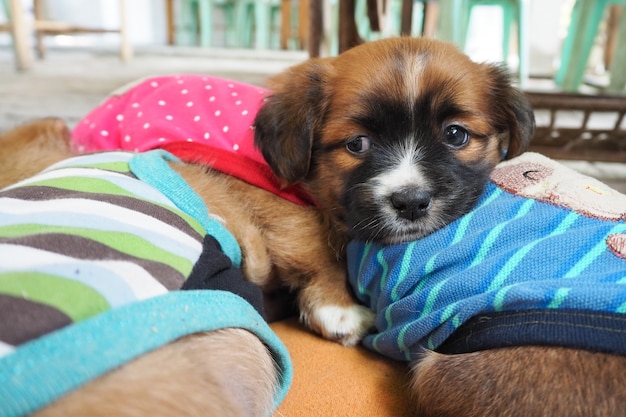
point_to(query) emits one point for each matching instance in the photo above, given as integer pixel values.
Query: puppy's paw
(344, 324)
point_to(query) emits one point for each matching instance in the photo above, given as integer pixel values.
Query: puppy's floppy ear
(514, 112)
(289, 121)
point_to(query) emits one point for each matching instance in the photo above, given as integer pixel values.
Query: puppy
(276, 242)
(396, 140)
(79, 296)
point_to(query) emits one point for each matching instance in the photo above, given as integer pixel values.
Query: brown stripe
(43, 193)
(81, 248)
(23, 320)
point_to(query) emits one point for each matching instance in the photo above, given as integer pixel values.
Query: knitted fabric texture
(200, 119)
(521, 249)
(90, 253)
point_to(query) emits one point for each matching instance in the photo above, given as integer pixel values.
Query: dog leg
(328, 309)
(520, 382)
(30, 148)
(223, 373)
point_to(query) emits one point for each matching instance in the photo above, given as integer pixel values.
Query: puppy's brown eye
(358, 145)
(456, 136)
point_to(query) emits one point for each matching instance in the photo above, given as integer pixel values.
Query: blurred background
(62, 57)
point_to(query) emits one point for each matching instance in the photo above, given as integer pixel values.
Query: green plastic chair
(248, 22)
(585, 21)
(260, 15)
(455, 18)
(194, 21)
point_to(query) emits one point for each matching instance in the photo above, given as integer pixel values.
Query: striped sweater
(514, 271)
(90, 251)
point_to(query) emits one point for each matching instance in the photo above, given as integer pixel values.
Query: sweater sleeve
(214, 271)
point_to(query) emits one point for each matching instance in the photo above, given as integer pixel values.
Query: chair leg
(19, 31)
(586, 18)
(39, 15)
(205, 16)
(523, 17)
(126, 51)
(617, 82)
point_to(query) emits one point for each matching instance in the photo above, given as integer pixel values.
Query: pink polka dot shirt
(200, 119)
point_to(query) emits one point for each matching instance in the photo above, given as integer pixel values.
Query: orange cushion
(334, 380)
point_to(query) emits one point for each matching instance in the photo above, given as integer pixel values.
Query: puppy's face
(394, 138)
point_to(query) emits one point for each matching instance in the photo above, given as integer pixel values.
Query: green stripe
(432, 298)
(362, 289)
(123, 242)
(405, 269)
(380, 257)
(559, 297)
(401, 338)
(75, 299)
(498, 302)
(84, 185)
(492, 237)
(594, 253)
(88, 185)
(465, 220)
(121, 167)
(510, 265)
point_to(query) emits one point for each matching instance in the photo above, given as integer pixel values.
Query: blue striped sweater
(512, 271)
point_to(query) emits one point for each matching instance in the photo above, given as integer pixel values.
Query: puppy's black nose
(411, 204)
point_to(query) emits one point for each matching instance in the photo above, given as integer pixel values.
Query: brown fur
(303, 129)
(228, 372)
(222, 373)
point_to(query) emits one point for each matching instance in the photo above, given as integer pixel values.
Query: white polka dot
(104, 133)
(139, 114)
(119, 117)
(235, 147)
(162, 103)
(146, 125)
(225, 129)
(81, 149)
(154, 84)
(169, 117)
(230, 85)
(136, 150)
(162, 139)
(180, 81)
(189, 103)
(218, 112)
(127, 138)
(196, 119)
(207, 135)
(238, 103)
(184, 91)
(189, 140)
(208, 87)
(244, 113)
(234, 94)
(212, 98)
(134, 105)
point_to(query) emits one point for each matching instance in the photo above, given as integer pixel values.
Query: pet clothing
(91, 253)
(513, 271)
(200, 119)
